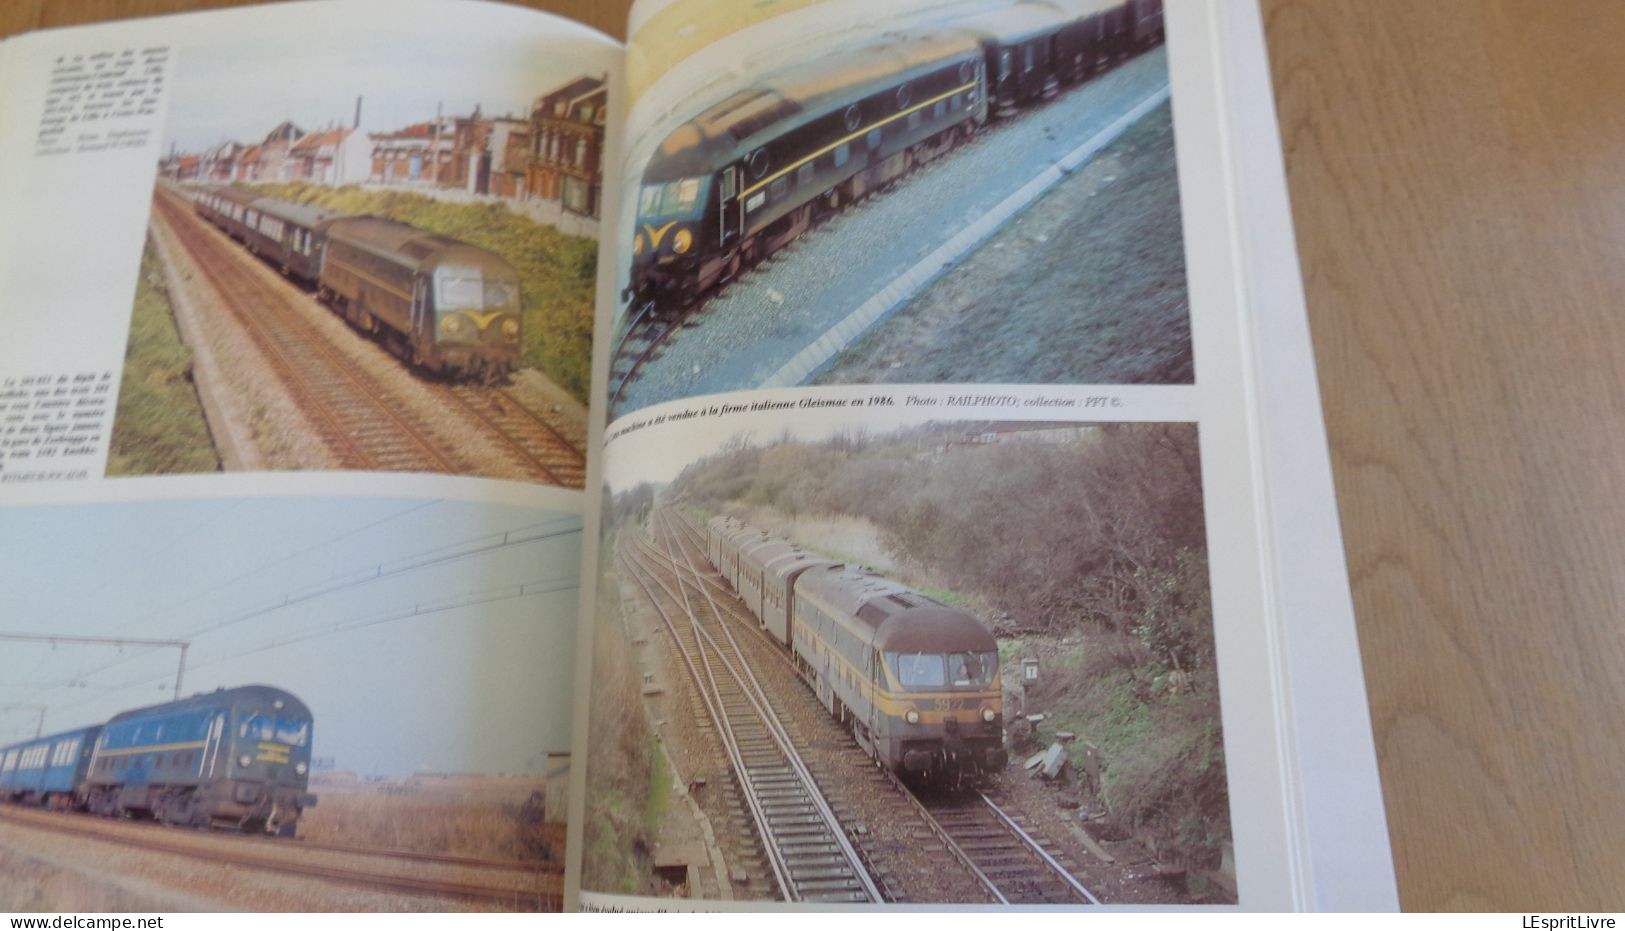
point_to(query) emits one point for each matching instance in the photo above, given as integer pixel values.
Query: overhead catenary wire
(533, 533)
(489, 596)
(551, 529)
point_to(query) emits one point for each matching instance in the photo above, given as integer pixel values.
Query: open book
(820, 452)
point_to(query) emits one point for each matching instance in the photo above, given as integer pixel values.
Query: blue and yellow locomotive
(751, 173)
(233, 758)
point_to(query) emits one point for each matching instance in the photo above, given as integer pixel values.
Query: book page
(285, 239)
(293, 413)
(935, 561)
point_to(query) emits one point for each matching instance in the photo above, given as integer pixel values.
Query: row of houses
(554, 153)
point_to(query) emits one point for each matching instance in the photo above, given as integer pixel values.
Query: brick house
(567, 144)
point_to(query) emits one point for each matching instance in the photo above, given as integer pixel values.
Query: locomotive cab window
(291, 732)
(972, 670)
(924, 671)
(501, 294)
(460, 290)
(257, 726)
(680, 196)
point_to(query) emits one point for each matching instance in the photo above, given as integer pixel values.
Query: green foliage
(1176, 611)
(557, 271)
(1096, 548)
(1161, 751)
(158, 427)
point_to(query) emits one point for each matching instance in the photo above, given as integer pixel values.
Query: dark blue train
(233, 758)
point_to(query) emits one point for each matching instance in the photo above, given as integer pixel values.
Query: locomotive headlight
(245, 761)
(988, 715)
(911, 716)
(510, 326)
(637, 245)
(682, 241)
(451, 324)
(300, 767)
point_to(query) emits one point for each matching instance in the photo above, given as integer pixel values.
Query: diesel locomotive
(233, 758)
(751, 173)
(916, 681)
(443, 305)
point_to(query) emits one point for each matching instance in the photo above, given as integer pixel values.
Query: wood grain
(1454, 168)
(1456, 173)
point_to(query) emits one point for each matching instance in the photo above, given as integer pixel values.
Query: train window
(918, 670)
(852, 118)
(843, 153)
(501, 294)
(915, 119)
(649, 198)
(1026, 59)
(730, 183)
(939, 109)
(778, 188)
(760, 161)
(459, 291)
(903, 96)
(688, 191)
(291, 732)
(1004, 64)
(966, 72)
(972, 670)
(804, 174)
(873, 139)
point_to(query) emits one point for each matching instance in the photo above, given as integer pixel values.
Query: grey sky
(437, 662)
(240, 89)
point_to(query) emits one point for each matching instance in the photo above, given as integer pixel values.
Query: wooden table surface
(1457, 170)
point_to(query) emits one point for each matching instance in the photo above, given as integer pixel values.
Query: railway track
(643, 336)
(353, 415)
(1017, 864)
(1013, 863)
(357, 417)
(806, 848)
(540, 444)
(393, 870)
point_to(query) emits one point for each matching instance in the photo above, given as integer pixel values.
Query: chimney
(357, 112)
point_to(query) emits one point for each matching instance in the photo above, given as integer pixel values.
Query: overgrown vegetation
(159, 426)
(1088, 544)
(471, 816)
(556, 270)
(627, 783)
